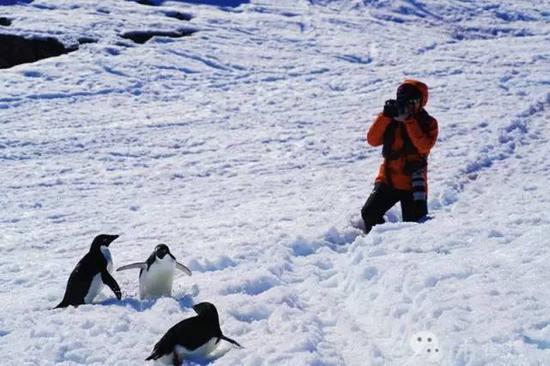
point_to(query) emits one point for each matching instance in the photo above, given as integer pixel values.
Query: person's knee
(371, 216)
(379, 201)
(365, 212)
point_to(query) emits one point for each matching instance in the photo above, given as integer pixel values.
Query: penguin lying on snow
(196, 336)
(91, 272)
(156, 275)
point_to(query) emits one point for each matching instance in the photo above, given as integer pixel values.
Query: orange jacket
(421, 129)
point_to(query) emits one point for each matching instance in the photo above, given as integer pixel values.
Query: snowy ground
(242, 147)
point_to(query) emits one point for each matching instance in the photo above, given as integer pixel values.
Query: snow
(243, 148)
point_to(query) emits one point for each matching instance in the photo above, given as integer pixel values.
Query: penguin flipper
(137, 265)
(163, 347)
(111, 282)
(230, 341)
(183, 268)
(155, 355)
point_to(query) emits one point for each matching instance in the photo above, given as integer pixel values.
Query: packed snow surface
(242, 147)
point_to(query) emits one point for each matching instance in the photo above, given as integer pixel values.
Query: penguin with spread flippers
(192, 337)
(91, 273)
(156, 274)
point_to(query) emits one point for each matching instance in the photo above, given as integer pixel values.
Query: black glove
(390, 108)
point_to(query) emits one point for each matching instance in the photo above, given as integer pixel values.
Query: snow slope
(242, 147)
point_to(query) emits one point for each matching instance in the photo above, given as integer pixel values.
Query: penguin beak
(112, 238)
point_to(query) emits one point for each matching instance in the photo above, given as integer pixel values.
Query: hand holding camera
(390, 108)
(399, 109)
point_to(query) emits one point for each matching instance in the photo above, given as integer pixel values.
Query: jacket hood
(423, 88)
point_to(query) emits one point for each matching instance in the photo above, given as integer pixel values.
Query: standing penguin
(156, 275)
(91, 272)
(196, 336)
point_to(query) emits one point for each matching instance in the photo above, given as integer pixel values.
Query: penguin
(90, 273)
(192, 337)
(156, 275)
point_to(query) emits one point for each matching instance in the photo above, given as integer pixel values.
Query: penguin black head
(208, 312)
(103, 239)
(161, 250)
(205, 309)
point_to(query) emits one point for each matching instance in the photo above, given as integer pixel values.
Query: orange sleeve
(375, 135)
(422, 140)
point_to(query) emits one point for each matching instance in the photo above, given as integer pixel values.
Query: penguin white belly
(95, 288)
(202, 351)
(184, 353)
(158, 280)
(107, 254)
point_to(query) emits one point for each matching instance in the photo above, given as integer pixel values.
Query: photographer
(407, 133)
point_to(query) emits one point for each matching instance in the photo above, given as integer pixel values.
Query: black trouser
(383, 197)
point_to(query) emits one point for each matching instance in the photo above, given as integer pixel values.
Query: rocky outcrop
(15, 50)
(143, 36)
(5, 22)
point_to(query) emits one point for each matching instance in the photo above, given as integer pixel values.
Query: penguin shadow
(136, 304)
(204, 360)
(185, 303)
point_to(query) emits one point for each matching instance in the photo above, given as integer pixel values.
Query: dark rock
(5, 22)
(15, 50)
(143, 36)
(178, 15)
(221, 3)
(148, 2)
(86, 40)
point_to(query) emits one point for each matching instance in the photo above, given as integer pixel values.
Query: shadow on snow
(185, 303)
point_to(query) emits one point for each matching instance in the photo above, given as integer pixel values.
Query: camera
(397, 107)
